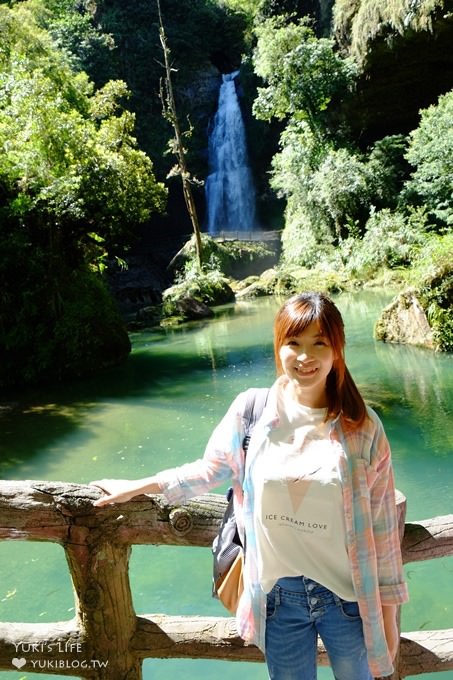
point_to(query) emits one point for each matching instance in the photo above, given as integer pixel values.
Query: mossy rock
(187, 309)
(436, 296)
(239, 286)
(259, 286)
(146, 317)
(237, 259)
(324, 280)
(193, 298)
(404, 321)
(421, 316)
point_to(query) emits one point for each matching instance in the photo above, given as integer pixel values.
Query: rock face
(193, 299)
(406, 62)
(404, 321)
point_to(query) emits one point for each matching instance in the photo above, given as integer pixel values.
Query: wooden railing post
(107, 620)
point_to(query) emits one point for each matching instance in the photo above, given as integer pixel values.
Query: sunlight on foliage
(74, 188)
(302, 73)
(358, 22)
(430, 151)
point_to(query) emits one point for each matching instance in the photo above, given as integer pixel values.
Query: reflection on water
(158, 411)
(425, 380)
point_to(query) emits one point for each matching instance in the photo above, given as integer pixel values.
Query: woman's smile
(306, 371)
(307, 360)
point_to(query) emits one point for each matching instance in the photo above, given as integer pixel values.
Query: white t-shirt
(299, 520)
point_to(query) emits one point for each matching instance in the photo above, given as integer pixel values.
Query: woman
(315, 503)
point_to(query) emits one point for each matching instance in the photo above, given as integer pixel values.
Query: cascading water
(230, 193)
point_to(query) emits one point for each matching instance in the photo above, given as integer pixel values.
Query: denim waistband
(299, 583)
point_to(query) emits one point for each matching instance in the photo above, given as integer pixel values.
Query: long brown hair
(343, 396)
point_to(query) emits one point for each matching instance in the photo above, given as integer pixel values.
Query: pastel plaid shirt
(369, 508)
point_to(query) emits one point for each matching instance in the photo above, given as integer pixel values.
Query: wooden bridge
(105, 630)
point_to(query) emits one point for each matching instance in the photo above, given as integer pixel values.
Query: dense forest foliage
(86, 163)
(73, 186)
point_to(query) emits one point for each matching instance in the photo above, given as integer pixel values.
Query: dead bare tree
(177, 144)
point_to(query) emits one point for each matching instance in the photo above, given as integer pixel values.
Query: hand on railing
(123, 490)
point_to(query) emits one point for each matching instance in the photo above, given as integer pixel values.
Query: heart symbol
(19, 662)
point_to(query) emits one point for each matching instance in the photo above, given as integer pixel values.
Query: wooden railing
(251, 235)
(106, 639)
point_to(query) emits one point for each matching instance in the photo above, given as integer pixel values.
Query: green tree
(293, 170)
(70, 160)
(73, 187)
(303, 77)
(74, 29)
(339, 189)
(387, 170)
(303, 74)
(430, 152)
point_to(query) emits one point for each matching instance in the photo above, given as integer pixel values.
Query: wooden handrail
(105, 632)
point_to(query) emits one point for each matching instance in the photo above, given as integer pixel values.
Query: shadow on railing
(106, 632)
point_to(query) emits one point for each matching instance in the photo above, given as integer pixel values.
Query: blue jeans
(298, 610)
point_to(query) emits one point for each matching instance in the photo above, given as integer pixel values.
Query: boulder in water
(404, 320)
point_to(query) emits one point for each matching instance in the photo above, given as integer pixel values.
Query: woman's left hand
(391, 628)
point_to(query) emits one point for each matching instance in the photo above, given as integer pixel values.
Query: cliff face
(406, 61)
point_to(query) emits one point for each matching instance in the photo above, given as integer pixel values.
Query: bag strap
(254, 407)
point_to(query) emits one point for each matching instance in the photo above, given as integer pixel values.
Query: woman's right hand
(117, 490)
(391, 629)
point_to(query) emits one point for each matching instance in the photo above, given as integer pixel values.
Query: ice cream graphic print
(296, 491)
(295, 508)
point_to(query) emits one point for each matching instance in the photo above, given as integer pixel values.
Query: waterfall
(230, 193)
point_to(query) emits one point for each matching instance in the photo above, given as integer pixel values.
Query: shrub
(432, 275)
(387, 170)
(391, 240)
(304, 243)
(339, 189)
(237, 259)
(58, 332)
